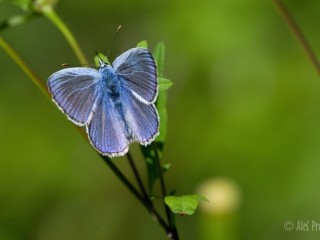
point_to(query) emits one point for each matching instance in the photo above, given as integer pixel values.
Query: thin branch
(138, 178)
(146, 201)
(170, 217)
(124, 180)
(298, 33)
(54, 18)
(18, 60)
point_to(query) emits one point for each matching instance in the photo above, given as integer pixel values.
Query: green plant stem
(171, 232)
(54, 18)
(147, 202)
(144, 201)
(25, 68)
(124, 180)
(138, 178)
(298, 33)
(169, 214)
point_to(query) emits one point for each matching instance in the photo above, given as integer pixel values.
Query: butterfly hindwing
(75, 91)
(106, 130)
(137, 68)
(142, 119)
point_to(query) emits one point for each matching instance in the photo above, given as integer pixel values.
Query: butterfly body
(115, 103)
(110, 82)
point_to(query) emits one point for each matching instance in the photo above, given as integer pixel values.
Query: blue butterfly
(116, 103)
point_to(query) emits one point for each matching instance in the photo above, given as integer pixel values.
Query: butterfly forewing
(137, 68)
(75, 91)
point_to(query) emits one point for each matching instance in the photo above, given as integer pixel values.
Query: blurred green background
(244, 108)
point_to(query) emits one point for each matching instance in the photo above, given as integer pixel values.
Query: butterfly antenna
(114, 39)
(76, 65)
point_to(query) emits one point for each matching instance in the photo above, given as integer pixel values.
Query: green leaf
(184, 205)
(162, 111)
(166, 167)
(102, 57)
(41, 6)
(152, 168)
(35, 6)
(16, 21)
(143, 44)
(158, 55)
(24, 4)
(148, 152)
(164, 84)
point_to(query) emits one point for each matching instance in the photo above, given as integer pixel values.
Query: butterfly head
(102, 63)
